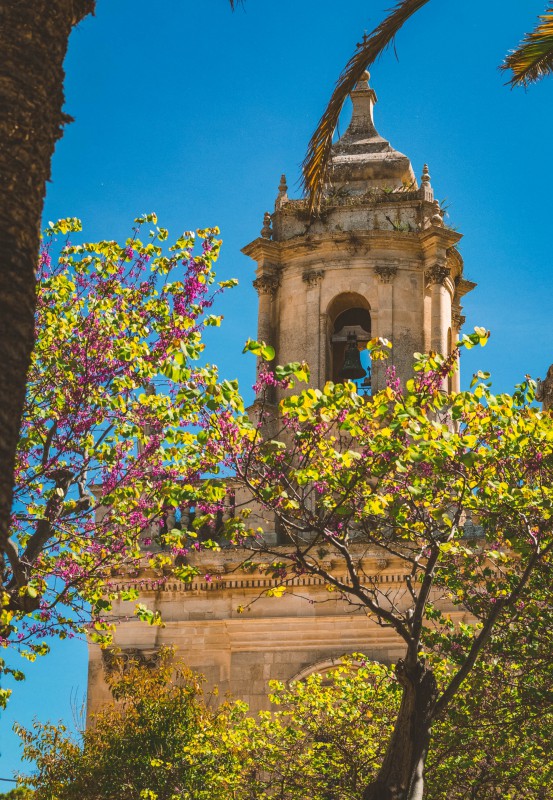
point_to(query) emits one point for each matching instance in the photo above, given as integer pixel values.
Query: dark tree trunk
(401, 776)
(33, 42)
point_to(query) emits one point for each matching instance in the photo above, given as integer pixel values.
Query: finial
(436, 218)
(266, 231)
(427, 193)
(282, 196)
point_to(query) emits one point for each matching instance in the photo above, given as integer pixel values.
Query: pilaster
(313, 345)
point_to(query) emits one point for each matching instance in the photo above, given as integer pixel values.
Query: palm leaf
(316, 163)
(533, 58)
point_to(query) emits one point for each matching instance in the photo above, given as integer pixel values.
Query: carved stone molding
(313, 276)
(386, 273)
(267, 284)
(437, 274)
(457, 318)
(115, 658)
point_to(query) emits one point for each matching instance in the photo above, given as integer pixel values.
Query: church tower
(377, 261)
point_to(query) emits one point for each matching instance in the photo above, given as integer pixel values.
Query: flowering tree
(34, 36)
(112, 429)
(397, 474)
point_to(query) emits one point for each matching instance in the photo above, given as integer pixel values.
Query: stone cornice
(463, 287)
(352, 242)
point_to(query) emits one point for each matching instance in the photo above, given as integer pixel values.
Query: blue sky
(194, 112)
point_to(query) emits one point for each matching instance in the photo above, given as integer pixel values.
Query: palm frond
(316, 163)
(533, 58)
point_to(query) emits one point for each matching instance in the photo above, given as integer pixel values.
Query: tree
(323, 739)
(20, 793)
(396, 474)
(34, 35)
(161, 740)
(328, 734)
(112, 427)
(529, 62)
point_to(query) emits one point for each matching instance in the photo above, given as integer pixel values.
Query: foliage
(397, 474)
(161, 740)
(529, 62)
(20, 793)
(324, 739)
(112, 431)
(533, 58)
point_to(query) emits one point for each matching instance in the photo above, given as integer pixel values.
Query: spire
(362, 159)
(364, 100)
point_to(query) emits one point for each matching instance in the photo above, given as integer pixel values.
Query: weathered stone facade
(377, 261)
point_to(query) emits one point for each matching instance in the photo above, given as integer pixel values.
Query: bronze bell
(352, 369)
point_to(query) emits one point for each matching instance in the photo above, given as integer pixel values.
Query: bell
(352, 369)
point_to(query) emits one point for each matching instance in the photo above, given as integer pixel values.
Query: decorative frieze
(115, 658)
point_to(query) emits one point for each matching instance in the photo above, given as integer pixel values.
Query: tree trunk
(401, 776)
(33, 41)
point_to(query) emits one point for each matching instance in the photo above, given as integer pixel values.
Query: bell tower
(377, 261)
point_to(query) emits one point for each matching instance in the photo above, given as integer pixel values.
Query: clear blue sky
(184, 108)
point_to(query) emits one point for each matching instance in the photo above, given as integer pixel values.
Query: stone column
(266, 285)
(313, 344)
(440, 315)
(457, 321)
(386, 275)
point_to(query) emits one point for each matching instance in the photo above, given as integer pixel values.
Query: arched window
(350, 329)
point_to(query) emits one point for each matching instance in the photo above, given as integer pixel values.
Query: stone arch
(347, 313)
(327, 665)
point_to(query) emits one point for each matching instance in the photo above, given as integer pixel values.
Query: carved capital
(267, 284)
(386, 274)
(436, 274)
(313, 276)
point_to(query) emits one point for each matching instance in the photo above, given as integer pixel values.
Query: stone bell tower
(376, 261)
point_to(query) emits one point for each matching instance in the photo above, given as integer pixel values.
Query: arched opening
(350, 330)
